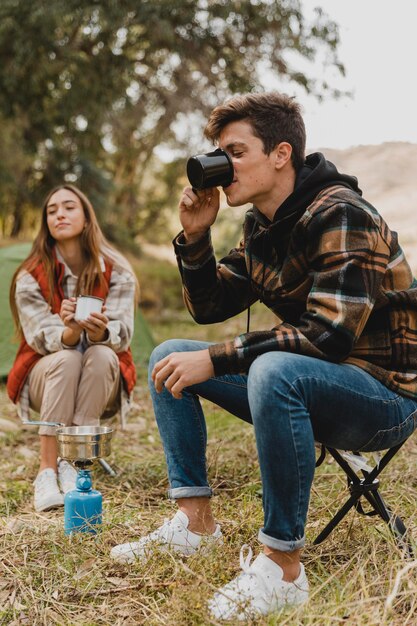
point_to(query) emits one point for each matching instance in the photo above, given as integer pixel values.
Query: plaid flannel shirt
(43, 330)
(337, 280)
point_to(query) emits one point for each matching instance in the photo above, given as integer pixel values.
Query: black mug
(214, 169)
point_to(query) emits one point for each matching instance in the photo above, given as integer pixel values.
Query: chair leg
(107, 468)
(368, 487)
(395, 523)
(377, 502)
(357, 488)
(337, 518)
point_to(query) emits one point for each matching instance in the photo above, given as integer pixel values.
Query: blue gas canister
(83, 506)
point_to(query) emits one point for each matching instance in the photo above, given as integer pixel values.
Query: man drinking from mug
(340, 367)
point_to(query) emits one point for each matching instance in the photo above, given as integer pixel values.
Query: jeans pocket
(391, 437)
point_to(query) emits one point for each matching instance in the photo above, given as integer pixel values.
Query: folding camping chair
(363, 482)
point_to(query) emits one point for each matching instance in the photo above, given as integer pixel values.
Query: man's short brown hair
(274, 118)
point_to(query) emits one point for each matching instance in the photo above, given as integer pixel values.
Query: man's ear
(283, 153)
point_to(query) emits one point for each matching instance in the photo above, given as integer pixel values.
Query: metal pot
(80, 443)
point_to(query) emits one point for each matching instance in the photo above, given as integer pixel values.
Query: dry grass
(48, 578)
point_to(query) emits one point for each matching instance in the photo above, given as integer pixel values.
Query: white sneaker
(172, 535)
(259, 590)
(67, 476)
(47, 493)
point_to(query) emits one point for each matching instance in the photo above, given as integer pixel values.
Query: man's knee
(275, 368)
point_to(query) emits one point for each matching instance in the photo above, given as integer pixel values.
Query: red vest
(27, 357)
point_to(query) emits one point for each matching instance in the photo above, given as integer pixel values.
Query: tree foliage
(89, 90)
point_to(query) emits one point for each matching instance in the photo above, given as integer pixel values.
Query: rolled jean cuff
(190, 492)
(280, 544)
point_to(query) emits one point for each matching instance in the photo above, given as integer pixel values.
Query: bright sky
(379, 50)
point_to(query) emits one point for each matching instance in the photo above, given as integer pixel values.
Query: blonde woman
(70, 371)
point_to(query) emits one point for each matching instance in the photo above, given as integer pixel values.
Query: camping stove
(82, 445)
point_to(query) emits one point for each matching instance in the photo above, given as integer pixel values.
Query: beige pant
(75, 388)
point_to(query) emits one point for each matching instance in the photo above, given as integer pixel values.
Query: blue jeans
(292, 401)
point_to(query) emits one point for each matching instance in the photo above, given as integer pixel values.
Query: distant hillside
(387, 175)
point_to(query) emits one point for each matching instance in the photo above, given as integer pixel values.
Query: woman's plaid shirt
(337, 279)
(43, 329)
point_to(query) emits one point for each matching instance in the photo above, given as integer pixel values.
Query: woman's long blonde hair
(93, 244)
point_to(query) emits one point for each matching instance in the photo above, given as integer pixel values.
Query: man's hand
(182, 369)
(198, 211)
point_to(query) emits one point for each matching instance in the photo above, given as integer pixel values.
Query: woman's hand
(96, 326)
(182, 369)
(72, 333)
(67, 314)
(198, 211)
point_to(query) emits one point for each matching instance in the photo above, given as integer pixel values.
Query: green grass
(47, 578)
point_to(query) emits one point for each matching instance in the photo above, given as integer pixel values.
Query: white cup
(87, 305)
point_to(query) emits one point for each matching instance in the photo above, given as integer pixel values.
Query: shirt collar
(67, 270)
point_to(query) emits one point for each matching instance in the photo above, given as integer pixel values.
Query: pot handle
(41, 423)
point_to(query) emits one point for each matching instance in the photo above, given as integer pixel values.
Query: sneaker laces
(165, 533)
(67, 476)
(248, 574)
(244, 562)
(47, 494)
(255, 591)
(243, 583)
(66, 471)
(43, 479)
(240, 596)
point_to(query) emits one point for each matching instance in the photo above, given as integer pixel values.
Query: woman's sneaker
(47, 493)
(172, 535)
(259, 590)
(67, 476)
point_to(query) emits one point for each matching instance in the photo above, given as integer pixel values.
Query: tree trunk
(17, 216)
